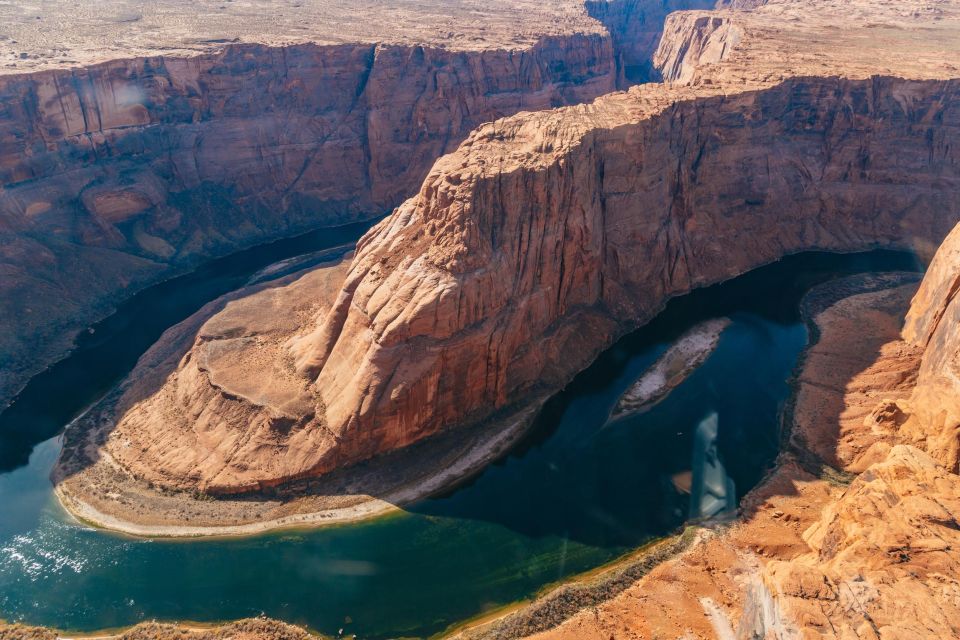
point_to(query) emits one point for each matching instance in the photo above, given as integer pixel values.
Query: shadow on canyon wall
(587, 487)
(108, 351)
(635, 27)
(573, 476)
(737, 294)
(822, 456)
(155, 195)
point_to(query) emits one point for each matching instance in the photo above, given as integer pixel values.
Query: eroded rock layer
(115, 173)
(232, 126)
(546, 235)
(855, 533)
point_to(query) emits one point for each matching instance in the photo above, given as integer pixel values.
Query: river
(577, 492)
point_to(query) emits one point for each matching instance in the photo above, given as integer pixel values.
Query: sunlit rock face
(546, 235)
(135, 147)
(519, 261)
(114, 173)
(933, 324)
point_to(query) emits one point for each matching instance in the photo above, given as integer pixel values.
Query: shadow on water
(575, 494)
(109, 349)
(573, 472)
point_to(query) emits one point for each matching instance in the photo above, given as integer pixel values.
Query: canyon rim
(553, 174)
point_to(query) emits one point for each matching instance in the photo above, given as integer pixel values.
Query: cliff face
(545, 235)
(635, 26)
(114, 173)
(933, 325)
(118, 172)
(503, 276)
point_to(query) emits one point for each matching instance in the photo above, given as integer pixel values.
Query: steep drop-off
(546, 235)
(114, 173)
(854, 534)
(117, 173)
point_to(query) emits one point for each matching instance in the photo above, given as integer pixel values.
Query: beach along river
(577, 492)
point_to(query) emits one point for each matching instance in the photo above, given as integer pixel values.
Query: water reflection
(576, 493)
(712, 491)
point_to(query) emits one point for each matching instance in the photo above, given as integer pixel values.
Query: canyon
(546, 235)
(554, 209)
(145, 140)
(855, 532)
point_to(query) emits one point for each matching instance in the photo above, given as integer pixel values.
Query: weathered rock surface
(115, 173)
(813, 556)
(545, 235)
(933, 325)
(237, 370)
(193, 131)
(883, 560)
(853, 380)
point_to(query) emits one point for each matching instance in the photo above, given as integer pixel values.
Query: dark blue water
(576, 493)
(108, 350)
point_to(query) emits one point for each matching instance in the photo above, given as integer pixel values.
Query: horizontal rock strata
(546, 235)
(233, 127)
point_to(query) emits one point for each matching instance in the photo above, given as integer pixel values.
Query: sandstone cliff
(113, 174)
(189, 132)
(546, 235)
(636, 26)
(882, 558)
(933, 325)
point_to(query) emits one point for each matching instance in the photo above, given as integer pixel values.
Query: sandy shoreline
(473, 460)
(680, 360)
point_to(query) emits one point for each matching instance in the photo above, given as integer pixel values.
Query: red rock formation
(543, 237)
(882, 562)
(546, 235)
(933, 325)
(635, 26)
(118, 172)
(115, 172)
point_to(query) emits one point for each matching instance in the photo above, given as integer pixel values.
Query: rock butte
(546, 235)
(138, 139)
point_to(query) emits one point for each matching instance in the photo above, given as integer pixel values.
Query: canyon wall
(635, 26)
(544, 237)
(854, 533)
(882, 558)
(933, 325)
(115, 174)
